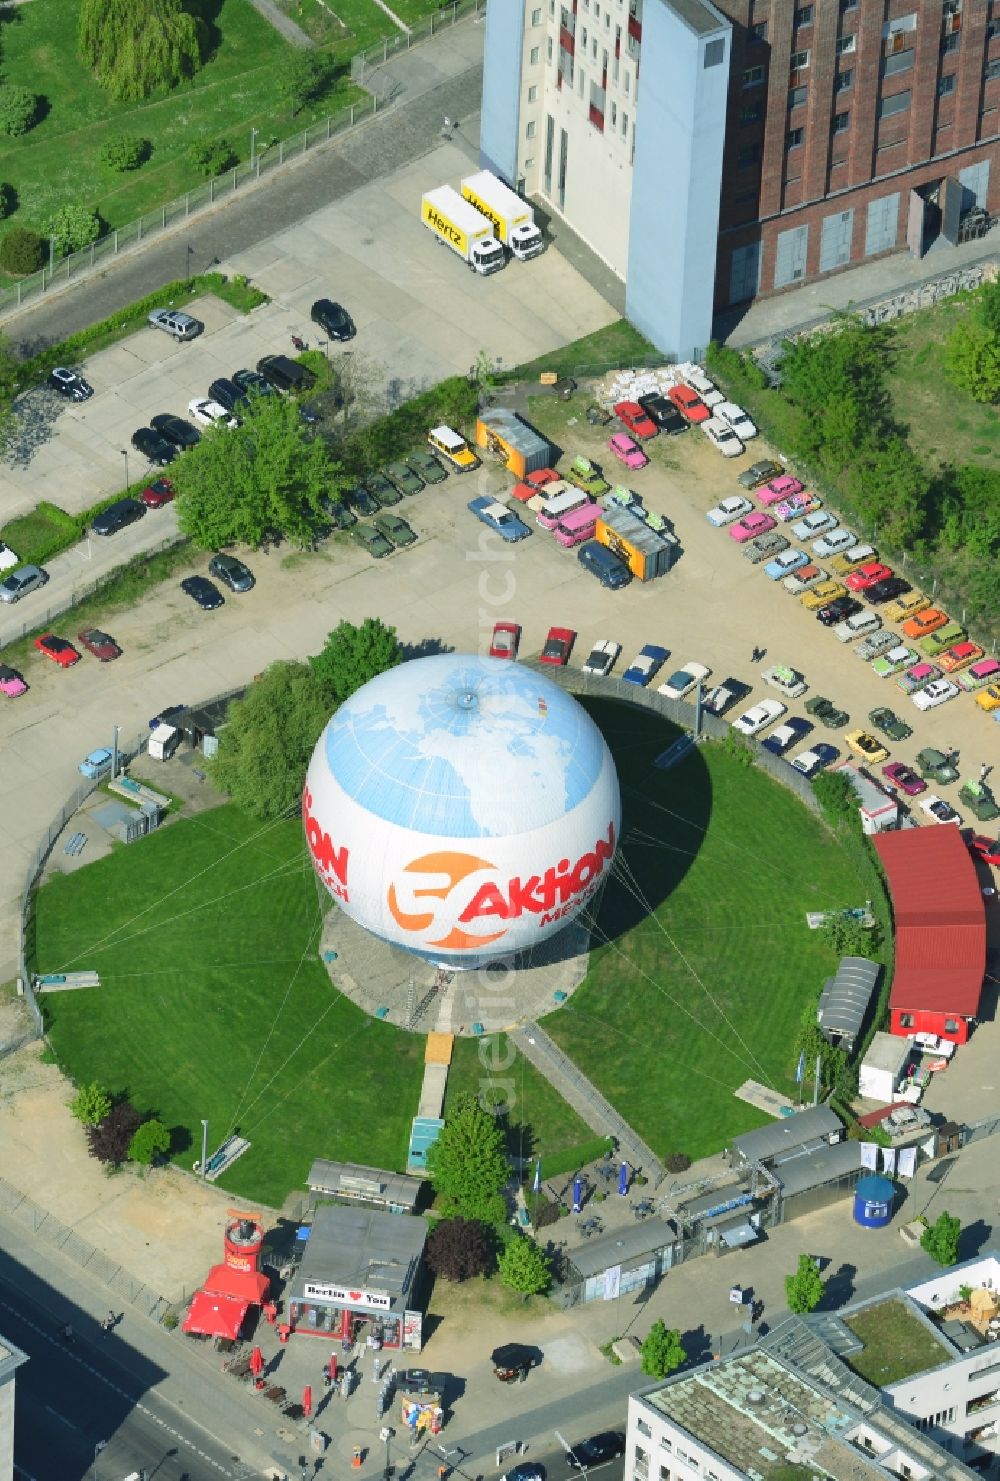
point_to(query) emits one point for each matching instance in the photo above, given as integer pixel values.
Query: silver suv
(28, 578)
(173, 321)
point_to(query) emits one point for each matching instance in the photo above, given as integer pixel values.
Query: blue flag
(800, 1073)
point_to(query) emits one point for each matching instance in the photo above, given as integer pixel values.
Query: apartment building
(11, 1358)
(711, 153)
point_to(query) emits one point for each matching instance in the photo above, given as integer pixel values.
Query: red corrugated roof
(940, 921)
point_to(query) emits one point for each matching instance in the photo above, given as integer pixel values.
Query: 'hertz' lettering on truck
(512, 218)
(646, 552)
(461, 227)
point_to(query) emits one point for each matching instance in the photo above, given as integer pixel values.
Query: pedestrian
(984, 771)
(67, 1333)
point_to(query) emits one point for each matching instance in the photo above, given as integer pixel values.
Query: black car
(154, 447)
(334, 318)
(204, 592)
(360, 499)
(887, 590)
(285, 374)
(231, 572)
(69, 384)
(838, 610)
(597, 1449)
(117, 516)
(175, 430)
(252, 384)
(664, 414)
(228, 394)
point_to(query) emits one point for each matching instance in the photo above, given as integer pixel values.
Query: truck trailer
(647, 553)
(462, 228)
(513, 219)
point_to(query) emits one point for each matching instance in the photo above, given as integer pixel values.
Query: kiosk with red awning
(232, 1287)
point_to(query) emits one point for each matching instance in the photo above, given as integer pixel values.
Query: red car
(155, 495)
(689, 404)
(506, 638)
(868, 575)
(904, 778)
(985, 848)
(58, 649)
(99, 644)
(634, 419)
(558, 645)
(533, 483)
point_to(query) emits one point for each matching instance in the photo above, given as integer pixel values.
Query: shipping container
(647, 553)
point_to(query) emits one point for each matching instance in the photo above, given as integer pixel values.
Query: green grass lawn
(896, 1344)
(540, 1122)
(213, 1002)
(683, 1005)
(618, 343)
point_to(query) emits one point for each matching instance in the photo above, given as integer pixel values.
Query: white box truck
(163, 742)
(461, 227)
(513, 219)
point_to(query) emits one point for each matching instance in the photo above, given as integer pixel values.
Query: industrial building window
(535, 55)
(748, 155)
(841, 121)
(844, 80)
(906, 1020)
(532, 94)
(752, 113)
(992, 70)
(799, 61)
(950, 43)
(804, 15)
(946, 85)
(794, 138)
(753, 76)
(898, 103)
(900, 61)
(846, 44)
(951, 1025)
(797, 96)
(715, 53)
(529, 130)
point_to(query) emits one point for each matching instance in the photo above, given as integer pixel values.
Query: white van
(163, 742)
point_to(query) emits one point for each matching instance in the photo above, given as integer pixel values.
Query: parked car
(945, 637)
(684, 679)
(728, 510)
(833, 543)
(959, 656)
(161, 491)
(827, 712)
(764, 547)
(627, 451)
(906, 605)
(838, 611)
(385, 493)
(985, 848)
(866, 746)
(635, 419)
(821, 595)
(395, 529)
(937, 692)
(506, 640)
(97, 764)
(786, 736)
(176, 323)
(202, 591)
(231, 572)
(403, 476)
(796, 506)
(154, 448)
(20, 583)
(978, 675)
(921, 624)
(889, 723)
(814, 524)
(210, 413)
(786, 680)
(647, 662)
(759, 717)
(452, 449)
(736, 418)
(779, 488)
(11, 682)
(333, 319)
(804, 579)
(60, 650)
(884, 591)
(868, 575)
(585, 475)
(935, 766)
(916, 676)
(758, 473)
(117, 516)
(938, 810)
(70, 383)
(849, 560)
(499, 518)
(757, 523)
(987, 699)
(893, 660)
(369, 539)
(558, 646)
(175, 430)
(99, 643)
(689, 404)
(820, 755)
(898, 774)
(426, 466)
(340, 515)
(595, 1451)
(664, 413)
(360, 499)
(228, 394)
(602, 657)
(251, 383)
(877, 644)
(856, 625)
(604, 564)
(723, 696)
(285, 374)
(722, 437)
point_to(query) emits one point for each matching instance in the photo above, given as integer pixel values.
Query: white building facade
(11, 1359)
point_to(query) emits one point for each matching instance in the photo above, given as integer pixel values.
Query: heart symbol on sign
(355, 1295)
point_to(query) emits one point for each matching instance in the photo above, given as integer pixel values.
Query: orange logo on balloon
(455, 867)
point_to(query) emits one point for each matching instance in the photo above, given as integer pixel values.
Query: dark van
(600, 562)
(285, 374)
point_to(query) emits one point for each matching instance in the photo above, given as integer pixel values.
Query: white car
(8, 560)
(602, 657)
(876, 645)
(692, 375)
(722, 437)
(834, 543)
(787, 681)
(938, 810)
(683, 680)
(729, 510)
(718, 700)
(857, 626)
(207, 413)
(814, 524)
(759, 717)
(734, 416)
(937, 692)
(812, 761)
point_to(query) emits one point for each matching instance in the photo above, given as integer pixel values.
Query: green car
(979, 797)
(945, 637)
(381, 489)
(340, 517)
(404, 478)
(889, 723)
(426, 466)
(394, 529)
(587, 477)
(936, 767)
(826, 712)
(369, 539)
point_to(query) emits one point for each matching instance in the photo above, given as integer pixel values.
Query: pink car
(751, 525)
(779, 488)
(11, 682)
(905, 778)
(627, 451)
(986, 671)
(796, 506)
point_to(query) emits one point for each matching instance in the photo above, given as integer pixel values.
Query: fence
(432, 25)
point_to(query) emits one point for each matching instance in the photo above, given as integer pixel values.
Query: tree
(458, 1249)
(468, 1165)
(73, 227)
(91, 1104)
(836, 797)
(248, 483)
(307, 75)
(18, 109)
(972, 359)
(111, 1139)
(211, 157)
(22, 251)
(8, 200)
(847, 934)
(940, 1240)
(353, 655)
(662, 1350)
(125, 152)
(804, 1290)
(265, 747)
(987, 309)
(137, 47)
(151, 1140)
(524, 1267)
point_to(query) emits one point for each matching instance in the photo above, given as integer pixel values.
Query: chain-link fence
(376, 56)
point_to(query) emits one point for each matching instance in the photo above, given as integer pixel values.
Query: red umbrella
(333, 1367)
(256, 1362)
(307, 1401)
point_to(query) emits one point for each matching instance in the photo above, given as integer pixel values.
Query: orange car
(959, 657)
(922, 623)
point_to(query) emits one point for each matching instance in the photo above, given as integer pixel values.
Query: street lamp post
(253, 141)
(124, 453)
(204, 1149)
(101, 1444)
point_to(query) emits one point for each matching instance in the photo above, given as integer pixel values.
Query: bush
(18, 109)
(151, 1140)
(677, 1162)
(91, 1104)
(458, 1249)
(111, 1140)
(22, 251)
(212, 156)
(8, 200)
(72, 228)
(125, 152)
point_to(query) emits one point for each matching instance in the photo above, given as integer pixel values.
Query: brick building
(771, 141)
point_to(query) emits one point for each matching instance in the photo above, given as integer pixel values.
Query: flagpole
(816, 1083)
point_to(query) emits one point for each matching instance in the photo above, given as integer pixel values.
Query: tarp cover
(216, 1316)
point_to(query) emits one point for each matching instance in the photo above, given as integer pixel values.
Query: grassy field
(616, 344)
(540, 1122)
(944, 427)
(213, 1002)
(683, 1004)
(896, 1344)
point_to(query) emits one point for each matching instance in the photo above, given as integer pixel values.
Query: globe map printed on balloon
(462, 807)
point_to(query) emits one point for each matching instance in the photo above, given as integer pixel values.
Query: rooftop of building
(361, 1248)
(700, 15)
(11, 1358)
(896, 1343)
(350, 1180)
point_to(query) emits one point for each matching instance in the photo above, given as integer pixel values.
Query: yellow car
(819, 596)
(905, 606)
(989, 699)
(866, 747)
(453, 449)
(843, 565)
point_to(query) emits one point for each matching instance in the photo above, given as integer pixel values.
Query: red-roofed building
(940, 931)
(233, 1287)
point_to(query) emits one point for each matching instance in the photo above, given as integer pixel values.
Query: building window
(846, 5)
(581, 82)
(752, 113)
(665, 1443)
(624, 125)
(548, 48)
(846, 44)
(804, 15)
(758, 31)
(593, 48)
(906, 1020)
(748, 155)
(841, 122)
(951, 1025)
(614, 114)
(993, 30)
(627, 83)
(643, 1429)
(534, 55)
(799, 61)
(900, 61)
(532, 94)
(844, 80)
(797, 96)
(536, 17)
(753, 77)
(946, 85)
(715, 53)
(950, 43)
(552, 7)
(529, 130)
(583, 38)
(992, 70)
(794, 138)
(898, 103)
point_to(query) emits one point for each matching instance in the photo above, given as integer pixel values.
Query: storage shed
(845, 1001)
(802, 1131)
(883, 1067)
(523, 449)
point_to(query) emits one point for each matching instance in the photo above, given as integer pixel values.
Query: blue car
(645, 665)
(97, 764)
(785, 563)
(816, 758)
(786, 736)
(499, 518)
